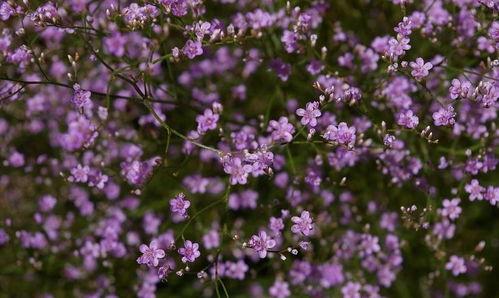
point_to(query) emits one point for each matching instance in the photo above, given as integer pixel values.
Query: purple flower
(309, 114)
(80, 173)
(315, 67)
(351, 290)
(420, 68)
(207, 121)
(189, 252)
(475, 190)
(492, 195)
(137, 172)
(135, 15)
(178, 205)
(444, 116)
(370, 244)
(16, 159)
(282, 130)
(22, 56)
(261, 243)
(331, 275)
(4, 237)
(456, 265)
(238, 172)
(408, 119)
(451, 208)
(6, 11)
(289, 39)
(459, 89)
(276, 224)
(341, 134)
(236, 270)
(150, 254)
(80, 97)
(115, 44)
(389, 140)
(47, 203)
(280, 289)
(47, 13)
(398, 47)
(177, 7)
(211, 239)
(282, 69)
(302, 224)
(192, 49)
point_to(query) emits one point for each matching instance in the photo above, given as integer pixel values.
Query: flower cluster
(249, 148)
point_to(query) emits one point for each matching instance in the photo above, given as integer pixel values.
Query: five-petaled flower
(310, 114)
(420, 68)
(341, 134)
(456, 265)
(302, 224)
(261, 243)
(189, 252)
(179, 205)
(150, 254)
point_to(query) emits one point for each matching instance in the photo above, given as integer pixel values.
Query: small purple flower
(309, 114)
(178, 205)
(280, 289)
(236, 270)
(475, 190)
(420, 68)
(192, 49)
(211, 239)
(302, 224)
(398, 47)
(207, 121)
(315, 67)
(282, 69)
(459, 89)
(351, 290)
(282, 130)
(238, 172)
(456, 265)
(47, 13)
(189, 252)
(389, 140)
(342, 134)
(150, 254)
(276, 224)
(80, 173)
(47, 203)
(80, 97)
(6, 11)
(137, 172)
(16, 159)
(261, 243)
(408, 119)
(451, 208)
(370, 244)
(4, 237)
(115, 44)
(289, 39)
(444, 116)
